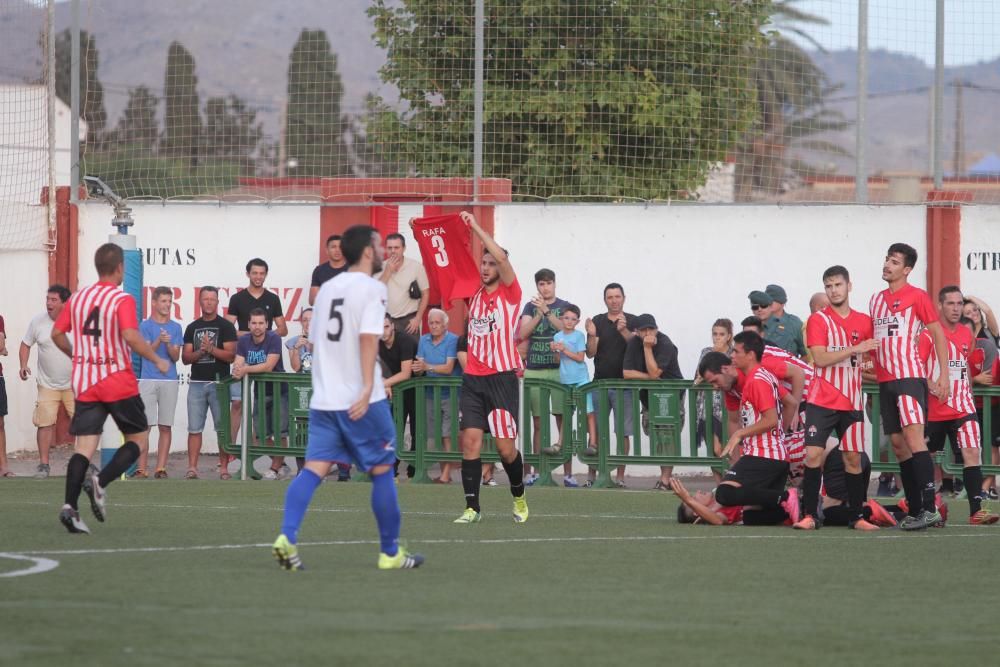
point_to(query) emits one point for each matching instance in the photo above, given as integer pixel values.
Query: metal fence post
(74, 95)
(477, 114)
(860, 126)
(938, 95)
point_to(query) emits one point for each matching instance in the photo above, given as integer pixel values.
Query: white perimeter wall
(980, 253)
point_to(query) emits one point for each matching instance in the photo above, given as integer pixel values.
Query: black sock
(910, 488)
(838, 515)
(811, 482)
(515, 473)
(856, 493)
(947, 485)
(729, 496)
(764, 517)
(123, 459)
(471, 473)
(973, 479)
(923, 467)
(76, 470)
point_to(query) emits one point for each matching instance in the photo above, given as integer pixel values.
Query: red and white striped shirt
(960, 345)
(776, 360)
(492, 330)
(760, 394)
(102, 362)
(897, 319)
(838, 387)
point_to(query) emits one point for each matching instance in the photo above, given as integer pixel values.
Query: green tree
(791, 94)
(182, 128)
(91, 91)
(232, 131)
(138, 126)
(605, 99)
(314, 126)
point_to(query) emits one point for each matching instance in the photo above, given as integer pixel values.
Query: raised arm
(507, 275)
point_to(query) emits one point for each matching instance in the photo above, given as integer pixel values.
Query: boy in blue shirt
(572, 348)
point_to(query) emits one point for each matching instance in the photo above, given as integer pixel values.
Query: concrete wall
(980, 253)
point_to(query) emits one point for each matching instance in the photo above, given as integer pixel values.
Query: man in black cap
(784, 329)
(651, 355)
(760, 304)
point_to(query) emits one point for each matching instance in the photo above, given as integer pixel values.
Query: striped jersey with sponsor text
(775, 360)
(492, 329)
(96, 316)
(760, 394)
(838, 386)
(897, 319)
(960, 345)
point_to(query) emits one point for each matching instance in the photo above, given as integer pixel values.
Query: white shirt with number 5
(347, 306)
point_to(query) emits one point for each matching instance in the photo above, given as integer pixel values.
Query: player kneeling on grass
(349, 418)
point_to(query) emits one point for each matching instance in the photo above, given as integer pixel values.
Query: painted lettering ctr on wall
(983, 261)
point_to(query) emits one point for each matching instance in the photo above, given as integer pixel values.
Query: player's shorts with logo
(367, 442)
(902, 403)
(847, 425)
(759, 472)
(963, 433)
(129, 415)
(490, 403)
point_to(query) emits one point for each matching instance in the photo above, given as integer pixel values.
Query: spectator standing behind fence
(784, 329)
(437, 354)
(407, 284)
(159, 390)
(539, 323)
(255, 296)
(651, 355)
(328, 269)
(4, 472)
(300, 347)
(984, 322)
(209, 348)
(607, 337)
(722, 342)
(53, 378)
(260, 352)
(571, 346)
(396, 352)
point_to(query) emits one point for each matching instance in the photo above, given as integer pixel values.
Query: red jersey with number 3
(493, 329)
(897, 319)
(760, 394)
(838, 386)
(102, 362)
(445, 245)
(960, 345)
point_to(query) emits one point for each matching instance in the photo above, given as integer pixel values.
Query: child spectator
(572, 348)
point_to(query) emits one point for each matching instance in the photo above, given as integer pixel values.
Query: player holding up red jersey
(102, 319)
(955, 418)
(839, 338)
(489, 399)
(899, 314)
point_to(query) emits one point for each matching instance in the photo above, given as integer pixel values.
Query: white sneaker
(530, 479)
(271, 474)
(490, 482)
(284, 472)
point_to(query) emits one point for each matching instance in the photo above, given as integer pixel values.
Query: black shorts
(3, 397)
(129, 415)
(958, 431)
(820, 422)
(490, 403)
(758, 472)
(834, 479)
(902, 403)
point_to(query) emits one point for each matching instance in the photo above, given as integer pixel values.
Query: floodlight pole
(74, 101)
(938, 95)
(860, 165)
(477, 114)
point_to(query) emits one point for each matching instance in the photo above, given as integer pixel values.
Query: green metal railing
(661, 443)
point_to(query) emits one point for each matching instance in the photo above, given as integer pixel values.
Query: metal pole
(938, 95)
(50, 109)
(245, 419)
(860, 165)
(477, 114)
(74, 102)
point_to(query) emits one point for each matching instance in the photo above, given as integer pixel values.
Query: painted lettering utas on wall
(169, 256)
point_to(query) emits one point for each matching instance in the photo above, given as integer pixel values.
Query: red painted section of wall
(944, 222)
(63, 259)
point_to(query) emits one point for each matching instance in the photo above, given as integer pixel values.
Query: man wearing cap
(784, 329)
(760, 304)
(651, 355)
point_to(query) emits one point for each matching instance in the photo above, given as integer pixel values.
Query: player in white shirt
(349, 417)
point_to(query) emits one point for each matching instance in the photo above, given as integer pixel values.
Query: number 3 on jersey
(441, 256)
(335, 317)
(92, 325)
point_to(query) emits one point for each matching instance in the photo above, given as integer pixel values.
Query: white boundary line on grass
(512, 540)
(40, 565)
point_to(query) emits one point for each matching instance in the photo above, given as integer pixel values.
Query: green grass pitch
(182, 574)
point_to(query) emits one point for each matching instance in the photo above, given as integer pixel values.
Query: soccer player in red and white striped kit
(104, 324)
(899, 313)
(955, 418)
(489, 399)
(839, 338)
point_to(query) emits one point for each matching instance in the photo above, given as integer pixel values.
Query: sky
(972, 27)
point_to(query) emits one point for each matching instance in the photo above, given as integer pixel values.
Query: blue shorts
(368, 442)
(201, 399)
